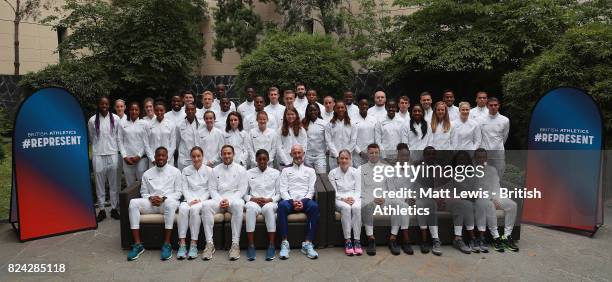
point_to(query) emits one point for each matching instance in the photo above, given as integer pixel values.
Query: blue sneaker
(270, 253)
(166, 252)
(182, 252)
(251, 253)
(284, 251)
(308, 250)
(193, 251)
(137, 250)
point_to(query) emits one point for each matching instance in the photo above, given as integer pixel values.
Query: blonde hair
(446, 125)
(464, 103)
(207, 92)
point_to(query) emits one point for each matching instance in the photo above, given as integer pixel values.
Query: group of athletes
(257, 159)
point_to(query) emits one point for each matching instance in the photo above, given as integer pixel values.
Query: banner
(564, 161)
(51, 165)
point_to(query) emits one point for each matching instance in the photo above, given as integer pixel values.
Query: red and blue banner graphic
(564, 161)
(52, 185)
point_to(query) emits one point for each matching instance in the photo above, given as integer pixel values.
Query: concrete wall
(37, 42)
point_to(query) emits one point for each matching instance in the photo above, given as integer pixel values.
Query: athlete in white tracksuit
(340, 134)
(222, 114)
(187, 132)
(467, 134)
(379, 111)
(250, 121)
(485, 215)
(131, 144)
(196, 181)
(262, 197)
(120, 111)
(160, 192)
(478, 111)
(176, 116)
(317, 145)
(161, 132)
(104, 138)
(221, 119)
(485, 208)
(369, 203)
(414, 137)
(262, 137)
(389, 132)
(461, 209)
(286, 141)
(227, 190)
(366, 133)
(211, 140)
(495, 129)
(430, 220)
(416, 132)
(442, 139)
(347, 184)
(277, 110)
(238, 138)
(481, 106)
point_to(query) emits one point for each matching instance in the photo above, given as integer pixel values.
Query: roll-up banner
(52, 188)
(565, 161)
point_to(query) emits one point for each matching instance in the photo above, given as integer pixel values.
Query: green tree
(83, 78)
(300, 15)
(130, 47)
(5, 127)
(454, 35)
(368, 32)
(236, 26)
(582, 58)
(283, 59)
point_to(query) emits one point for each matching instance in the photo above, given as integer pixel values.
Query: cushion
(156, 218)
(294, 217)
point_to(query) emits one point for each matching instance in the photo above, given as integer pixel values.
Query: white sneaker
(284, 251)
(208, 252)
(234, 252)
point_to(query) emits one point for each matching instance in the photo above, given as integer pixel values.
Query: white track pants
(134, 173)
(350, 218)
(143, 206)
(105, 170)
(211, 207)
(268, 211)
(189, 217)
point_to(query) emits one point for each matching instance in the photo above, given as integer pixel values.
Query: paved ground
(95, 255)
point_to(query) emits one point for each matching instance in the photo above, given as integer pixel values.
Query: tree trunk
(16, 34)
(16, 45)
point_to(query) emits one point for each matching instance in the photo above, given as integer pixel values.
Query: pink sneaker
(357, 248)
(348, 248)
